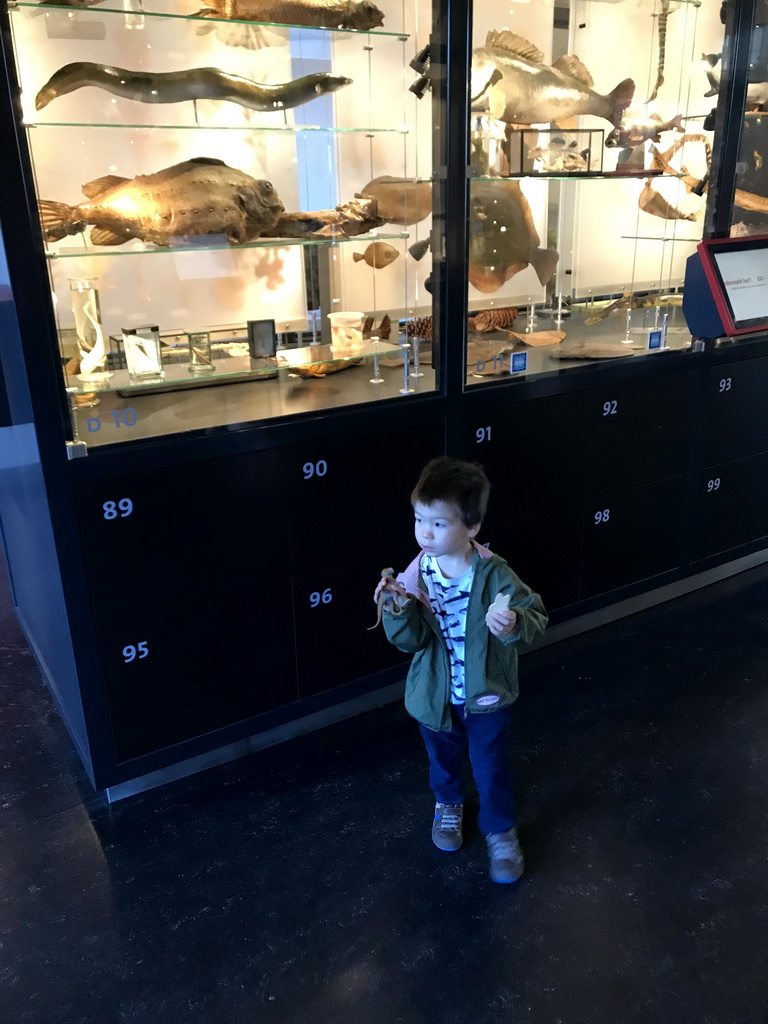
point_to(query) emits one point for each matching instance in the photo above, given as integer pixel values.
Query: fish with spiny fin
(512, 84)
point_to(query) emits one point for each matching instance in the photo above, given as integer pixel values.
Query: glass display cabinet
(228, 207)
(590, 146)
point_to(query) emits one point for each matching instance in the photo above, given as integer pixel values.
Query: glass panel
(278, 175)
(585, 206)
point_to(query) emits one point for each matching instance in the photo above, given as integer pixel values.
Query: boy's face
(440, 530)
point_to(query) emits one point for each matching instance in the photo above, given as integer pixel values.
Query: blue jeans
(487, 735)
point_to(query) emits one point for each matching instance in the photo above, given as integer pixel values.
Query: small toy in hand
(386, 600)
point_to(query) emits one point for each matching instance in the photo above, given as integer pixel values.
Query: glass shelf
(98, 9)
(215, 127)
(656, 238)
(229, 369)
(578, 175)
(259, 243)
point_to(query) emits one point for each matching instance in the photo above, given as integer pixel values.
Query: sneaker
(446, 828)
(507, 863)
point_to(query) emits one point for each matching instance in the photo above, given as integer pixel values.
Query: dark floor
(300, 884)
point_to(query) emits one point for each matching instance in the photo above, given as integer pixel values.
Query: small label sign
(519, 362)
(655, 340)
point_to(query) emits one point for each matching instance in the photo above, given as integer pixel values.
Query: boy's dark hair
(463, 484)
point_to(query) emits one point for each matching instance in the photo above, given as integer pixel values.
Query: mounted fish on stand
(360, 15)
(511, 83)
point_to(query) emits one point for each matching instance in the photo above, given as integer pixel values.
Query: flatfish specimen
(400, 201)
(193, 84)
(203, 196)
(510, 82)
(378, 255)
(538, 339)
(653, 202)
(356, 14)
(494, 319)
(502, 236)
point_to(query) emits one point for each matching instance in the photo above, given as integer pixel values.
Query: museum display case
(262, 268)
(227, 206)
(590, 149)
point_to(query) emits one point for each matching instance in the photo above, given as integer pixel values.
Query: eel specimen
(193, 84)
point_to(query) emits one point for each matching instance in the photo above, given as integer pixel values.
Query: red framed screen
(737, 273)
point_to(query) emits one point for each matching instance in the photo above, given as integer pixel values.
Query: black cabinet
(205, 533)
(738, 410)
(194, 670)
(349, 498)
(731, 505)
(333, 613)
(557, 451)
(545, 552)
(632, 535)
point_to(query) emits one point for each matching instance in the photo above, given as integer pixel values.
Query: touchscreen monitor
(737, 273)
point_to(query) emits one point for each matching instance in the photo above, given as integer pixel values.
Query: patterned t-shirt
(448, 600)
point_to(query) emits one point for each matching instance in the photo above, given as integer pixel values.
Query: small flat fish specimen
(378, 255)
(494, 319)
(502, 236)
(510, 82)
(539, 338)
(362, 15)
(202, 196)
(651, 201)
(194, 84)
(400, 202)
(386, 599)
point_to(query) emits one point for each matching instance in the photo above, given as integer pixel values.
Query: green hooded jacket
(490, 662)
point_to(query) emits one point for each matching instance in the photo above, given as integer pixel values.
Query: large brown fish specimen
(651, 201)
(362, 15)
(400, 201)
(202, 196)
(510, 82)
(502, 236)
(193, 84)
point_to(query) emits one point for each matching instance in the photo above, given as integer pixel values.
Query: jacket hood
(409, 578)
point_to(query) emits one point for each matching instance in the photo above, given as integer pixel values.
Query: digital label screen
(744, 275)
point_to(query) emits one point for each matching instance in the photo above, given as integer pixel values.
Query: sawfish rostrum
(510, 82)
(203, 196)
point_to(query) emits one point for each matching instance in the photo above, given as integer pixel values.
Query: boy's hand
(390, 586)
(501, 623)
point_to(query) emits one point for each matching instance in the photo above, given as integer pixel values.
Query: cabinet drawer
(632, 535)
(350, 496)
(200, 533)
(333, 611)
(545, 552)
(738, 424)
(732, 505)
(198, 670)
(557, 451)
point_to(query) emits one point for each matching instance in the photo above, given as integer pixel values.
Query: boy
(463, 677)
